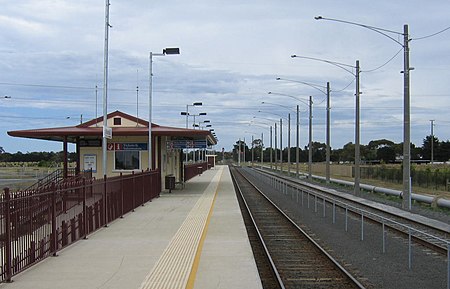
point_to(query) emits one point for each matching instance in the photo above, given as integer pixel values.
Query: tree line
(376, 151)
(42, 158)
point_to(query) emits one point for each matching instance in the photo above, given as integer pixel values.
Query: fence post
(54, 232)
(334, 211)
(409, 249)
(105, 202)
(133, 192)
(8, 240)
(121, 196)
(143, 187)
(448, 265)
(324, 207)
(85, 225)
(362, 226)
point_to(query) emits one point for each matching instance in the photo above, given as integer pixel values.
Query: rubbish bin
(170, 182)
(199, 170)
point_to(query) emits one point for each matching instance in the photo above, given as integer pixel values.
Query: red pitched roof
(88, 131)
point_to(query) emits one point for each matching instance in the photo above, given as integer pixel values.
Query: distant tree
(386, 154)
(426, 148)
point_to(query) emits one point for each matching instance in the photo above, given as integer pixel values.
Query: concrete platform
(196, 235)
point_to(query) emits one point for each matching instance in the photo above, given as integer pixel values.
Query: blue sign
(186, 144)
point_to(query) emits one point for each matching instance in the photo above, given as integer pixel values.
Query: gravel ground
(364, 258)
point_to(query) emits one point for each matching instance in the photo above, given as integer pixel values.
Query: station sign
(127, 146)
(186, 144)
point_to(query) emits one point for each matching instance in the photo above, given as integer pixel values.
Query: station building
(127, 150)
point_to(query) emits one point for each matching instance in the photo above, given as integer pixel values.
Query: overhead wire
(431, 35)
(386, 63)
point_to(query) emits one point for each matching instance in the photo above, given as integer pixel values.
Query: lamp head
(278, 78)
(318, 17)
(171, 51)
(197, 104)
(202, 113)
(293, 56)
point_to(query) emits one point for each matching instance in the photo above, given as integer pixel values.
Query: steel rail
(368, 212)
(261, 240)
(351, 278)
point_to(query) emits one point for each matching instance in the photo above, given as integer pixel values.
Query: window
(117, 121)
(127, 160)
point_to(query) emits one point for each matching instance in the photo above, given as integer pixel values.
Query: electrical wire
(431, 35)
(386, 63)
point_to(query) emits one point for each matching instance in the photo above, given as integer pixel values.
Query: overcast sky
(51, 59)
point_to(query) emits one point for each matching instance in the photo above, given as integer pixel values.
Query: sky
(231, 54)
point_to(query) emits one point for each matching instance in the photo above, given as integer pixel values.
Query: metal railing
(303, 197)
(192, 170)
(55, 177)
(37, 224)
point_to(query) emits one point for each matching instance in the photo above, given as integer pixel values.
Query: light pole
(270, 143)
(105, 91)
(345, 67)
(289, 133)
(166, 51)
(328, 130)
(281, 136)
(253, 140)
(309, 103)
(432, 140)
(406, 204)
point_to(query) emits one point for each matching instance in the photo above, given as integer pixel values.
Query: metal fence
(35, 224)
(195, 169)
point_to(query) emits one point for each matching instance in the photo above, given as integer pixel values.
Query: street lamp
(186, 113)
(166, 51)
(406, 101)
(328, 149)
(194, 115)
(346, 67)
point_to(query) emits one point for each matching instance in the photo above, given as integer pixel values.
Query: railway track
(295, 259)
(431, 237)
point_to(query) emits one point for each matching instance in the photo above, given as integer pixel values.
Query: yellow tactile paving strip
(173, 269)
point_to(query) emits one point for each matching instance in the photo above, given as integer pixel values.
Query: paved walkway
(196, 236)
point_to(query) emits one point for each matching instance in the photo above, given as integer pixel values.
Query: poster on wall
(90, 162)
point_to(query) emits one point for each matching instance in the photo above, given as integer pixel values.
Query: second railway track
(298, 261)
